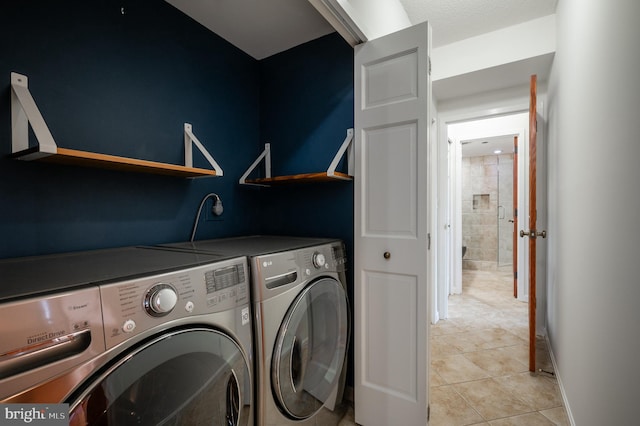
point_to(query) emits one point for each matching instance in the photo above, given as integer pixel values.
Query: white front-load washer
(129, 336)
(302, 325)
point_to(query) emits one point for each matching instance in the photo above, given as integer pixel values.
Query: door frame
(454, 262)
(516, 223)
(532, 240)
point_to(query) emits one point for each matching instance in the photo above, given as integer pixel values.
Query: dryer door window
(192, 377)
(310, 349)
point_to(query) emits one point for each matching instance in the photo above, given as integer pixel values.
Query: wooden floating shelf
(300, 178)
(112, 162)
(331, 175)
(24, 112)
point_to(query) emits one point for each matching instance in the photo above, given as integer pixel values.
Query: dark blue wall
(306, 107)
(123, 84)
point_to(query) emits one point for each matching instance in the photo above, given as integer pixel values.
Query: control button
(189, 306)
(318, 260)
(128, 326)
(160, 300)
(245, 316)
(307, 271)
(80, 325)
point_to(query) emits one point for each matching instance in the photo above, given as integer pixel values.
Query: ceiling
(262, 28)
(487, 146)
(494, 78)
(455, 20)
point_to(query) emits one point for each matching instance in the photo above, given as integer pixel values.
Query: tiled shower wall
(480, 211)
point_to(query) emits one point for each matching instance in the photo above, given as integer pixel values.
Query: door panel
(385, 296)
(391, 189)
(390, 156)
(391, 80)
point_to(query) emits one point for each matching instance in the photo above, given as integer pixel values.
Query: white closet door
(392, 97)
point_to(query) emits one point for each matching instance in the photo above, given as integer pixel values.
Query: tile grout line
(464, 323)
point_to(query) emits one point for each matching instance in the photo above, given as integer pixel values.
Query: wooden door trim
(515, 217)
(532, 221)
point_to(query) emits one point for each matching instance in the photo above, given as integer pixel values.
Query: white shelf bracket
(24, 112)
(347, 146)
(189, 140)
(266, 155)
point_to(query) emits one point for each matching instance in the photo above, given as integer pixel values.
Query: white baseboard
(557, 374)
(436, 317)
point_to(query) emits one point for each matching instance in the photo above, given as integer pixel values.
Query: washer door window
(310, 349)
(189, 377)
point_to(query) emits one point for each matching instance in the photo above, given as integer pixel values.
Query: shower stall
(487, 212)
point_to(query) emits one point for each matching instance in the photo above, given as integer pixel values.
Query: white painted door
(392, 99)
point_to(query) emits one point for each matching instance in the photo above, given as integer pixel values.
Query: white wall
(594, 149)
(512, 44)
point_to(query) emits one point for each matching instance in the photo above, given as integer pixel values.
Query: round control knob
(318, 260)
(160, 300)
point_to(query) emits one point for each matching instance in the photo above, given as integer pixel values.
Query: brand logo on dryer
(267, 263)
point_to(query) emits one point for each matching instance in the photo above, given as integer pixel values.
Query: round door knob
(387, 255)
(160, 300)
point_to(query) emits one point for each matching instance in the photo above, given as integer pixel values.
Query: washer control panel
(137, 305)
(60, 331)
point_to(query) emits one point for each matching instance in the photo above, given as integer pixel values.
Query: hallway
(479, 361)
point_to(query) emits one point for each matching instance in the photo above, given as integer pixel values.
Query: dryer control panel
(275, 273)
(135, 306)
(326, 258)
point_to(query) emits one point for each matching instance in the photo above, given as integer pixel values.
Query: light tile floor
(479, 361)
